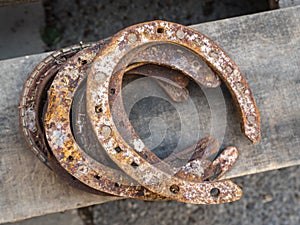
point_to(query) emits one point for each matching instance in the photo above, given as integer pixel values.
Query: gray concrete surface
(20, 27)
(68, 217)
(269, 198)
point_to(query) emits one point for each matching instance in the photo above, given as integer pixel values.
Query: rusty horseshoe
(99, 92)
(73, 118)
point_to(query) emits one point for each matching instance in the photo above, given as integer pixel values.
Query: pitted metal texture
(73, 100)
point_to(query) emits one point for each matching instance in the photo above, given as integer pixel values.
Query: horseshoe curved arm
(69, 77)
(126, 157)
(62, 142)
(31, 105)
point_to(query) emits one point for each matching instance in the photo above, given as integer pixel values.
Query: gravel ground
(269, 198)
(75, 20)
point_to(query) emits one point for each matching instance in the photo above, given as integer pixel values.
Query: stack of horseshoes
(92, 73)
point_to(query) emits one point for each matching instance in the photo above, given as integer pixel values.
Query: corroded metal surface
(172, 81)
(31, 99)
(106, 67)
(63, 144)
(32, 103)
(169, 53)
(32, 106)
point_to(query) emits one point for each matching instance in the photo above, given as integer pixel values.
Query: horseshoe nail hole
(215, 192)
(83, 62)
(160, 30)
(229, 69)
(98, 109)
(97, 177)
(112, 91)
(70, 158)
(251, 119)
(214, 54)
(198, 42)
(118, 149)
(196, 64)
(117, 185)
(132, 38)
(174, 188)
(134, 164)
(240, 86)
(106, 131)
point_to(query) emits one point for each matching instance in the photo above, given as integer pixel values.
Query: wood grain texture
(266, 46)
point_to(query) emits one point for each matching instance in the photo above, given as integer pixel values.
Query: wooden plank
(267, 48)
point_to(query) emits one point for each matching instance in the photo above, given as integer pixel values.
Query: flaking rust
(132, 160)
(172, 82)
(169, 53)
(34, 100)
(63, 144)
(31, 106)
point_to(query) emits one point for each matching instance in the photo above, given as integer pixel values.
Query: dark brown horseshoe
(31, 106)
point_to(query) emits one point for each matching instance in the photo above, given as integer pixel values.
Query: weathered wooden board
(267, 48)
